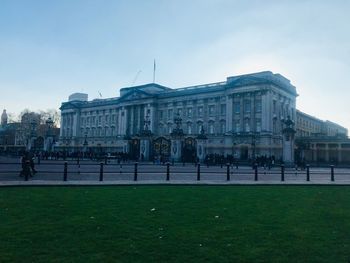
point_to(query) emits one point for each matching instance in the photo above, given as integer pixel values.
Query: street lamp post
(49, 135)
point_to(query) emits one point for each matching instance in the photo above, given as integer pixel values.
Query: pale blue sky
(50, 49)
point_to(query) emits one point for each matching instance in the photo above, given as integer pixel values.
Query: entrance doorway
(134, 149)
(244, 152)
(189, 150)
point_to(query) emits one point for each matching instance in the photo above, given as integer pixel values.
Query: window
(189, 128)
(161, 128)
(238, 126)
(99, 120)
(160, 114)
(189, 112)
(179, 111)
(274, 107)
(246, 126)
(211, 127)
(223, 109)
(200, 111)
(200, 126)
(247, 106)
(237, 107)
(211, 110)
(222, 127)
(258, 125)
(170, 129)
(170, 114)
(258, 106)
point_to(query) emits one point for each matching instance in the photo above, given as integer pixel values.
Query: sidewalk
(162, 182)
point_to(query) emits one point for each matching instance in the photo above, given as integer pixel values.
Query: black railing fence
(109, 171)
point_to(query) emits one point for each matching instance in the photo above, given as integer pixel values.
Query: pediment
(135, 94)
(245, 81)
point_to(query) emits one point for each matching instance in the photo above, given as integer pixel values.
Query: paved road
(89, 171)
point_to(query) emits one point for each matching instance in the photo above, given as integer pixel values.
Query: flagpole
(154, 71)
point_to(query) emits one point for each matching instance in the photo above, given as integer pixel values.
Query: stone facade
(307, 125)
(242, 116)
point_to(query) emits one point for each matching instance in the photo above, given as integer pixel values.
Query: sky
(51, 49)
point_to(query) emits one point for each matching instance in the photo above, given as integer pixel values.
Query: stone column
(176, 150)
(339, 153)
(201, 149)
(288, 151)
(229, 112)
(326, 149)
(144, 149)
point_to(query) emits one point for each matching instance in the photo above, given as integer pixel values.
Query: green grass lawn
(175, 224)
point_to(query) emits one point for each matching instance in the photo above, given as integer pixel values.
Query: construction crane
(137, 75)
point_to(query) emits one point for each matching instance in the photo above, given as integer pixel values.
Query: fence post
(255, 172)
(26, 170)
(198, 172)
(228, 172)
(101, 171)
(65, 171)
(167, 171)
(135, 172)
(332, 173)
(282, 172)
(307, 172)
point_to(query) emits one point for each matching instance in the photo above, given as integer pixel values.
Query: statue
(3, 118)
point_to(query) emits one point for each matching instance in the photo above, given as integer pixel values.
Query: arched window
(189, 128)
(211, 127)
(246, 125)
(222, 127)
(200, 126)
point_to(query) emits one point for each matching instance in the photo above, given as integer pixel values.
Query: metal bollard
(332, 173)
(282, 172)
(255, 172)
(198, 172)
(228, 172)
(65, 171)
(101, 172)
(105, 160)
(38, 159)
(308, 172)
(78, 162)
(167, 171)
(27, 170)
(135, 172)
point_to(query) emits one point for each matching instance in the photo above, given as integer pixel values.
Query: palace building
(244, 116)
